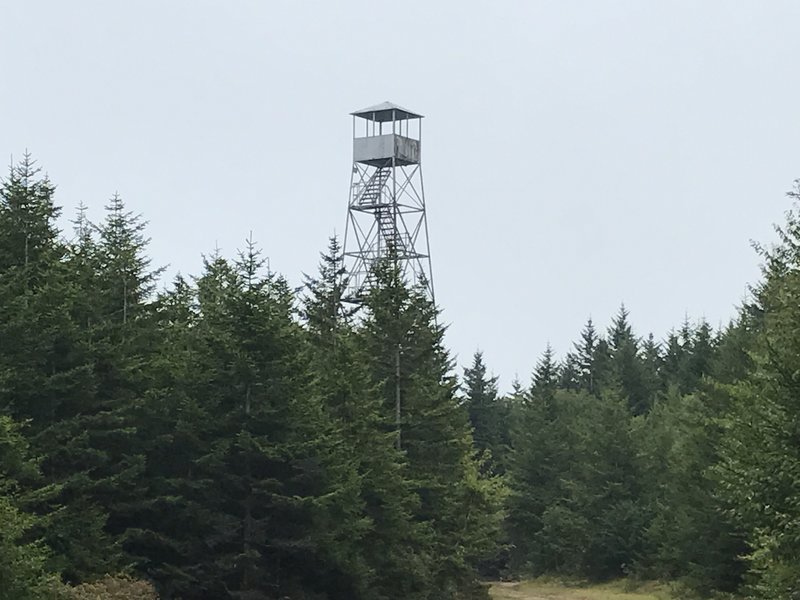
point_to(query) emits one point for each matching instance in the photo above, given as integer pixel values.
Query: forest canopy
(230, 437)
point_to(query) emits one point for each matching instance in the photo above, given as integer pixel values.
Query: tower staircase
(372, 192)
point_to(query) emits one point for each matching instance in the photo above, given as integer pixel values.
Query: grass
(553, 590)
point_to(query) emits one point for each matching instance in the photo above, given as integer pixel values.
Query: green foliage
(760, 471)
(23, 571)
(609, 473)
(23, 575)
(690, 356)
(27, 222)
(118, 587)
(488, 414)
(46, 374)
(697, 478)
(264, 477)
(224, 440)
(573, 505)
(627, 365)
(679, 443)
(460, 508)
(382, 548)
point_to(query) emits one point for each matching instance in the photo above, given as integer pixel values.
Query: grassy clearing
(552, 590)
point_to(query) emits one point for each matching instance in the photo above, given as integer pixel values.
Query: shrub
(112, 587)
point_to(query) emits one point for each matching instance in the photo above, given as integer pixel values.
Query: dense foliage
(230, 437)
(225, 438)
(675, 460)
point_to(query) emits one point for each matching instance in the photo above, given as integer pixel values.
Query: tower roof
(385, 111)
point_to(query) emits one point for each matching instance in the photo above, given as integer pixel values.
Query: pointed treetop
(621, 331)
(589, 339)
(545, 375)
(477, 382)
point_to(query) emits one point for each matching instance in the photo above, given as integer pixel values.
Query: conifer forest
(227, 436)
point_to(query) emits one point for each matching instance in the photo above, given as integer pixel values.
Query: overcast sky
(576, 154)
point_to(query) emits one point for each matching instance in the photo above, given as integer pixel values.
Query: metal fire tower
(386, 213)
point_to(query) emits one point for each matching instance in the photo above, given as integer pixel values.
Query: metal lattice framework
(386, 216)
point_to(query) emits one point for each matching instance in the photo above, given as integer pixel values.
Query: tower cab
(390, 136)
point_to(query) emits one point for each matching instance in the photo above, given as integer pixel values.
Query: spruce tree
(585, 358)
(383, 551)
(536, 462)
(23, 560)
(28, 214)
(573, 507)
(487, 412)
(678, 448)
(677, 358)
(760, 452)
(264, 470)
(570, 378)
(168, 513)
(651, 367)
(402, 342)
(46, 374)
(704, 345)
(117, 324)
(627, 364)
(733, 360)
(546, 375)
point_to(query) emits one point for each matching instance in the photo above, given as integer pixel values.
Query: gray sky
(576, 154)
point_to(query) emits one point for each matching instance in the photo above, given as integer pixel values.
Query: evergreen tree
(733, 358)
(487, 413)
(626, 363)
(537, 459)
(172, 433)
(126, 280)
(45, 371)
(384, 551)
(651, 366)
(546, 375)
(760, 449)
(116, 318)
(33, 294)
(402, 343)
(570, 378)
(23, 571)
(586, 357)
(678, 444)
(28, 239)
(677, 357)
(573, 506)
(704, 345)
(267, 486)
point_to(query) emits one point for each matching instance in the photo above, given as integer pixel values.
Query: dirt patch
(521, 591)
(538, 590)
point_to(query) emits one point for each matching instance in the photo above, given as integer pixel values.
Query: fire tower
(386, 212)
